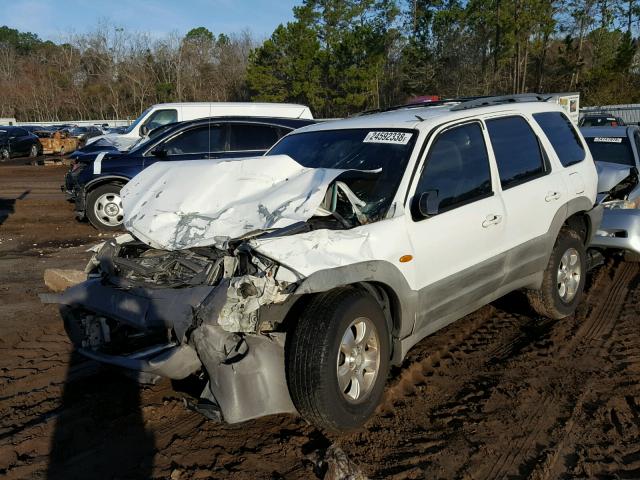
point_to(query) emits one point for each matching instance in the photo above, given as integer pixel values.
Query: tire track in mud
(589, 339)
(606, 401)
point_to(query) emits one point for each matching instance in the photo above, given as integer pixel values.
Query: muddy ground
(501, 393)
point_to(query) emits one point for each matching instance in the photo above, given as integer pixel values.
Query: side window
(161, 117)
(252, 137)
(636, 137)
(457, 168)
(197, 140)
(517, 151)
(563, 137)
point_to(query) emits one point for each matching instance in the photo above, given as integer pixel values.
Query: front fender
(370, 271)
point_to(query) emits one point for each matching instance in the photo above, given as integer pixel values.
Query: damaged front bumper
(161, 329)
(620, 229)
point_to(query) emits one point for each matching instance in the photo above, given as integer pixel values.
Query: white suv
(294, 280)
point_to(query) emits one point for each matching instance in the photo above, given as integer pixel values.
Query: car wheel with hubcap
(563, 279)
(4, 154)
(338, 359)
(104, 207)
(33, 152)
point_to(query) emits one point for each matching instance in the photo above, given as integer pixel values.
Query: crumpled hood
(173, 206)
(610, 175)
(121, 142)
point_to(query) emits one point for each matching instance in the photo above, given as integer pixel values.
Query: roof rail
(464, 103)
(500, 100)
(426, 103)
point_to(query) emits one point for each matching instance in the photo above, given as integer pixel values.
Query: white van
(164, 113)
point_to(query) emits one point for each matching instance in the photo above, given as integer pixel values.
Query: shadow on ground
(8, 205)
(99, 431)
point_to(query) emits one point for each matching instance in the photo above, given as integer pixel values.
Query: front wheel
(104, 207)
(338, 359)
(564, 278)
(4, 154)
(33, 152)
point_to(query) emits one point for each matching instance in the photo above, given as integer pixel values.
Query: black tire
(90, 208)
(4, 154)
(313, 347)
(547, 300)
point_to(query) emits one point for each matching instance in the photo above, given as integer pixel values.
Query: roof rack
(465, 103)
(500, 100)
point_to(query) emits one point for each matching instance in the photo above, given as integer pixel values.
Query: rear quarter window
(563, 137)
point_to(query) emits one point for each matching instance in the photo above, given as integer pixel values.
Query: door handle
(491, 220)
(552, 196)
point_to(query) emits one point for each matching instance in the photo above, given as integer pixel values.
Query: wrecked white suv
(293, 281)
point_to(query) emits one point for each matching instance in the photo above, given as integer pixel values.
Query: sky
(56, 20)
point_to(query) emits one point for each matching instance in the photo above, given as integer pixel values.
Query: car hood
(121, 142)
(610, 175)
(88, 157)
(202, 203)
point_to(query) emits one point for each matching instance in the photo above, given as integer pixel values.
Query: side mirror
(428, 203)
(143, 130)
(159, 152)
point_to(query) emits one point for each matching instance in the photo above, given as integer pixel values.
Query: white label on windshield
(397, 138)
(607, 140)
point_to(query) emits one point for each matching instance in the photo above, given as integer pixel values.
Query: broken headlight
(622, 204)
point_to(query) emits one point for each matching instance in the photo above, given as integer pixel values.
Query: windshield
(611, 149)
(383, 153)
(130, 128)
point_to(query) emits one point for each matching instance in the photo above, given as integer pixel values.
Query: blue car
(98, 173)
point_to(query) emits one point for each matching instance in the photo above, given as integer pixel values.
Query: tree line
(337, 56)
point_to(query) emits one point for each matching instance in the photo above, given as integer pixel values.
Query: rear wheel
(338, 359)
(33, 152)
(104, 207)
(4, 154)
(564, 278)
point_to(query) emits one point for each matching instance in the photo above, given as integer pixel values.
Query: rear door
(532, 192)
(251, 139)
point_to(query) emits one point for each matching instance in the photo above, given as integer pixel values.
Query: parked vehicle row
(18, 142)
(97, 176)
(34, 140)
(294, 280)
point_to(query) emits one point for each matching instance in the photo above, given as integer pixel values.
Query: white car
(164, 113)
(294, 280)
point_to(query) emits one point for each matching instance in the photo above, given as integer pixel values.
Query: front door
(198, 143)
(458, 249)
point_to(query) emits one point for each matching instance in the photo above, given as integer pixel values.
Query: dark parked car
(18, 142)
(602, 119)
(95, 179)
(84, 133)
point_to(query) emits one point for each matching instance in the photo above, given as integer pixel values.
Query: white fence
(80, 123)
(630, 112)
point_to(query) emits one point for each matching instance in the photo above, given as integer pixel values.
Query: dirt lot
(500, 394)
